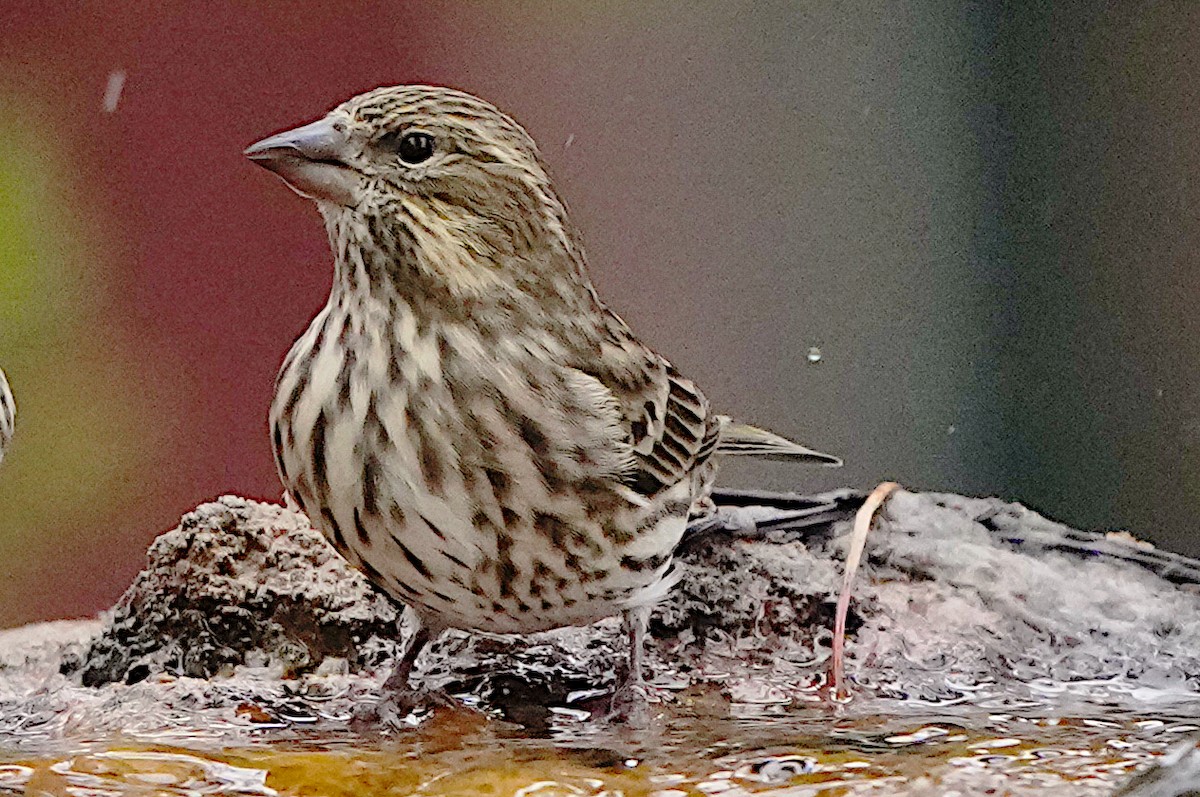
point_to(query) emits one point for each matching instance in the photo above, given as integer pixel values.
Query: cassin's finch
(465, 420)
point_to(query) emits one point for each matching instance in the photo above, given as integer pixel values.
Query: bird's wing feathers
(667, 420)
(676, 435)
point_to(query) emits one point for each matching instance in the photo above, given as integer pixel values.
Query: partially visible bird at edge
(465, 420)
(8, 415)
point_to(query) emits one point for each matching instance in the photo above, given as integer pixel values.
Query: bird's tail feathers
(740, 439)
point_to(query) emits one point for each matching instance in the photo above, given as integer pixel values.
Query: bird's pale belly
(530, 585)
(472, 527)
(466, 572)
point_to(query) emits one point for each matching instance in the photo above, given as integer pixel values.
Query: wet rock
(967, 592)
(238, 582)
(957, 596)
(244, 616)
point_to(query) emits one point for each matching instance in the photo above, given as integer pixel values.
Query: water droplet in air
(814, 354)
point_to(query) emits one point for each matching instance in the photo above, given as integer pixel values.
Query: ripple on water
(691, 751)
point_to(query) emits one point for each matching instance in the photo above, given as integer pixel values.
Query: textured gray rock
(238, 582)
(976, 591)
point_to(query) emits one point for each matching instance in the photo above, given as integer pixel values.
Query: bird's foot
(633, 703)
(629, 704)
(404, 708)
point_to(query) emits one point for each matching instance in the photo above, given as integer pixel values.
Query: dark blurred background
(983, 215)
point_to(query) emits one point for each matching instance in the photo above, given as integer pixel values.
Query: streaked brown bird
(8, 415)
(465, 420)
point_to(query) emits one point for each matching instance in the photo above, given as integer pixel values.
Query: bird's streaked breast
(456, 484)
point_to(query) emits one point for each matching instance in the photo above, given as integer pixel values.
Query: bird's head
(439, 172)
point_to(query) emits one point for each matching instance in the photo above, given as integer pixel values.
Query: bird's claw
(404, 708)
(633, 704)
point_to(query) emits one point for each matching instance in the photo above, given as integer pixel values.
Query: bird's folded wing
(683, 441)
(668, 422)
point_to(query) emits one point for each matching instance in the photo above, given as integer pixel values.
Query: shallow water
(697, 745)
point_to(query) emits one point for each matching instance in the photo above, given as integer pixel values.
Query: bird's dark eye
(413, 148)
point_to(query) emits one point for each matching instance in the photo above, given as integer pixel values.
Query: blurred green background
(983, 214)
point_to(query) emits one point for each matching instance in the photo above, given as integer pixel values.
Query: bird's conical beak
(312, 160)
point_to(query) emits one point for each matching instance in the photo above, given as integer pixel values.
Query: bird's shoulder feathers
(666, 418)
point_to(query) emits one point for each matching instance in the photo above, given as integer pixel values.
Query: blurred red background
(967, 210)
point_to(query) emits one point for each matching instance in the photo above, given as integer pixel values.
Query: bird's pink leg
(629, 701)
(397, 682)
(397, 698)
